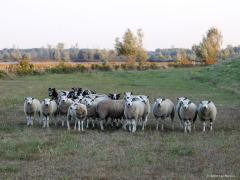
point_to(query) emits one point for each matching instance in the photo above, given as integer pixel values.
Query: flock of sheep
(85, 106)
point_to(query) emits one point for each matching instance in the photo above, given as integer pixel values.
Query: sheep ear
(189, 102)
(209, 102)
(33, 98)
(163, 99)
(131, 93)
(177, 98)
(185, 97)
(25, 98)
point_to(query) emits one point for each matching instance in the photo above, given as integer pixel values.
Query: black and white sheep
(32, 107)
(163, 108)
(48, 110)
(78, 113)
(188, 113)
(207, 111)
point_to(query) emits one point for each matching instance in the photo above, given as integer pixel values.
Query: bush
(24, 67)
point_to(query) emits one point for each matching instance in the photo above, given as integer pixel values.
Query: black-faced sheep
(163, 108)
(207, 111)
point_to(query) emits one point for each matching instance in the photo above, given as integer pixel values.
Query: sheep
(179, 100)
(145, 100)
(163, 108)
(52, 92)
(188, 113)
(134, 110)
(31, 108)
(48, 109)
(114, 96)
(108, 108)
(63, 106)
(207, 111)
(78, 112)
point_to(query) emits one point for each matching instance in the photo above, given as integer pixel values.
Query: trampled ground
(36, 153)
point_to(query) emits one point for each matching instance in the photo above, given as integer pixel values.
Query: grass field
(36, 153)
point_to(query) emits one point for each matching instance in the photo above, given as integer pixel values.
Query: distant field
(7, 66)
(36, 153)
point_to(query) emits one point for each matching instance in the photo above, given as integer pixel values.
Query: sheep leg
(68, 126)
(27, 120)
(62, 123)
(93, 123)
(162, 124)
(125, 122)
(134, 126)
(144, 123)
(157, 125)
(101, 125)
(204, 126)
(87, 123)
(75, 125)
(82, 125)
(44, 122)
(130, 126)
(48, 122)
(31, 120)
(185, 127)
(211, 125)
(79, 125)
(189, 125)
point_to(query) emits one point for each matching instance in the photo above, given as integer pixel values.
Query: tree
(128, 46)
(141, 53)
(209, 49)
(181, 57)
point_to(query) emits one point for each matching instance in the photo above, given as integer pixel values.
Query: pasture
(55, 153)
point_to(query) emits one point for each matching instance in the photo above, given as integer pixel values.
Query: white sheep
(207, 111)
(109, 108)
(64, 103)
(145, 100)
(78, 113)
(32, 107)
(91, 103)
(133, 112)
(188, 113)
(48, 110)
(179, 103)
(163, 108)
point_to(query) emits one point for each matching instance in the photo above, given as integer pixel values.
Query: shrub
(24, 67)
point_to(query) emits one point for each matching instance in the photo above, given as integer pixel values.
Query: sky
(96, 23)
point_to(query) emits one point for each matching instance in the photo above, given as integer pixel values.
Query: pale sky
(96, 23)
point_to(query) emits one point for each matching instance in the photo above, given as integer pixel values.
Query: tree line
(130, 48)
